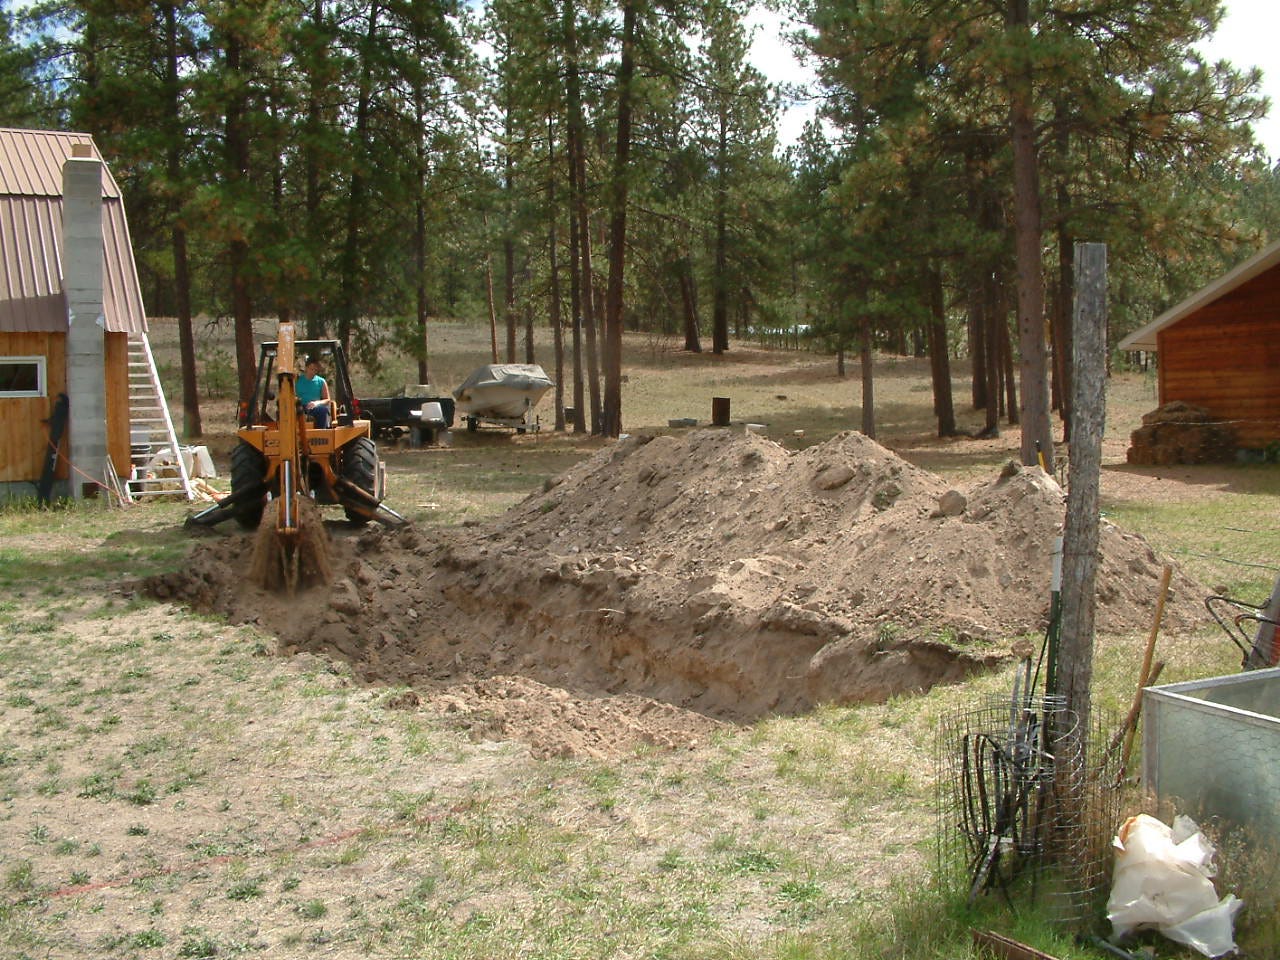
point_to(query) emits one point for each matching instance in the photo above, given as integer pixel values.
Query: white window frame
(42, 381)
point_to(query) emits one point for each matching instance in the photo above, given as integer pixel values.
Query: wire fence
(1230, 546)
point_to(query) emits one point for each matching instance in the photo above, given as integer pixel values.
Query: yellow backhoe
(283, 458)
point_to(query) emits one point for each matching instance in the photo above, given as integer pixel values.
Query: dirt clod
(287, 562)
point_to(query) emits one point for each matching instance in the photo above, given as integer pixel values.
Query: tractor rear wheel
(248, 469)
(360, 466)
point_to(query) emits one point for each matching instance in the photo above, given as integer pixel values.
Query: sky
(1246, 37)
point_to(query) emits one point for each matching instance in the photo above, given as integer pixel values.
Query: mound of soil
(670, 583)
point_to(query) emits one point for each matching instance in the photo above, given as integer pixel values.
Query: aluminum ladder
(151, 430)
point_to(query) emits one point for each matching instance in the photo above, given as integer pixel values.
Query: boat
(502, 393)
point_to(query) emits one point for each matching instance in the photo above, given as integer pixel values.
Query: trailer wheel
(248, 468)
(360, 466)
(472, 424)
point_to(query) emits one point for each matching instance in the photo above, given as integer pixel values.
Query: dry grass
(170, 789)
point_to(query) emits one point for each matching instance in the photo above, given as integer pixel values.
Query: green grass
(1227, 543)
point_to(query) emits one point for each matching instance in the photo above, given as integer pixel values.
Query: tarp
(502, 389)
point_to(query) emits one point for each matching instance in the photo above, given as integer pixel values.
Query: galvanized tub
(1212, 747)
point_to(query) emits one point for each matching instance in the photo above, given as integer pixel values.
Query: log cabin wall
(1226, 357)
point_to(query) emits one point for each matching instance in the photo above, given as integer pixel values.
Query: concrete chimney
(86, 323)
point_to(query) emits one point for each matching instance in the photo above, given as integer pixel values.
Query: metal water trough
(1213, 747)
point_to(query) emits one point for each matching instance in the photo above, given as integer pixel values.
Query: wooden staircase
(151, 429)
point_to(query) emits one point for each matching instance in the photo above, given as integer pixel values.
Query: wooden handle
(1144, 678)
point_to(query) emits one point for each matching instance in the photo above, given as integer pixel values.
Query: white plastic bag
(1164, 879)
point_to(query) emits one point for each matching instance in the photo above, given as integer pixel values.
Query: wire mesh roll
(1022, 813)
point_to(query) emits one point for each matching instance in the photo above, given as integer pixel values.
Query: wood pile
(1180, 432)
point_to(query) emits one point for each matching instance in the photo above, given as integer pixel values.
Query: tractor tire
(248, 468)
(360, 466)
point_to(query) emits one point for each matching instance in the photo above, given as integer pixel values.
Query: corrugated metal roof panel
(31, 294)
(31, 289)
(121, 293)
(31, 162)
(31, 297)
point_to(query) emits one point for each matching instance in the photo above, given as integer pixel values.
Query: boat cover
(502, 381)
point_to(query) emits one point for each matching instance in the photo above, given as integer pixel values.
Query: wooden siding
(23, 435)
(116, 379)
(1226, 357)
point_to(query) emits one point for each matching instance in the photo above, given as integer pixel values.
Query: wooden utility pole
(1080, 538)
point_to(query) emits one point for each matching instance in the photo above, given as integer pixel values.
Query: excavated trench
(666, 586)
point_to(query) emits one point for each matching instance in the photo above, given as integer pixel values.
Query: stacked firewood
(1179, 432)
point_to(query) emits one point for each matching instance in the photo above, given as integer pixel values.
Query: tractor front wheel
(248, 469)
(360, 467)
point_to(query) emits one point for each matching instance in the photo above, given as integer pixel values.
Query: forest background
(364, 166)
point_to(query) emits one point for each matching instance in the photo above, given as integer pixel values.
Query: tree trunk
(589, 328)
(868, 379)
(420, 246)
(1062, 319)
(553, 265)
(237, 154)
(349, 295)
(977, 333)
(528, 333)
(575, 305)
(1037, 435)
(191, 425)
(508, 241)
(590, 331)
(577, 294)
(720, 295)
(489, 299)
(582, 218)
(1010, 381)
(612, 420)
(991, 353)
(939, 359)
(689, 297)
(311, 165)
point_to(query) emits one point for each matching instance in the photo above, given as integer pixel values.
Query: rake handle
(1144, 678)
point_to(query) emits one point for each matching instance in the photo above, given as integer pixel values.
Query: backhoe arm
(289, 425)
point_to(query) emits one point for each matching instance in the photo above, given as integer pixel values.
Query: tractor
(281, 455)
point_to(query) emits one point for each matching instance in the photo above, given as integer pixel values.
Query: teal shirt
(310, 389)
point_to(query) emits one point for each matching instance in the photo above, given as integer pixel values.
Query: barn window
(22, 377)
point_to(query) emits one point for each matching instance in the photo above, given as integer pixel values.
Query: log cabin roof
(31, 287)
(1144, 338)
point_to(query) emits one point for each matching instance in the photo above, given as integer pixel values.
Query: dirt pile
(716, 573)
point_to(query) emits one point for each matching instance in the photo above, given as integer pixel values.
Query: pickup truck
(395, 417)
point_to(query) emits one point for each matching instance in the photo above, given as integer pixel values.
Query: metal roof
(31, 162)
(31, 291)
(1144, 338)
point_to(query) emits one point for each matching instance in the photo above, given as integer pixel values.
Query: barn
(1220, 350)
(70, 312)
